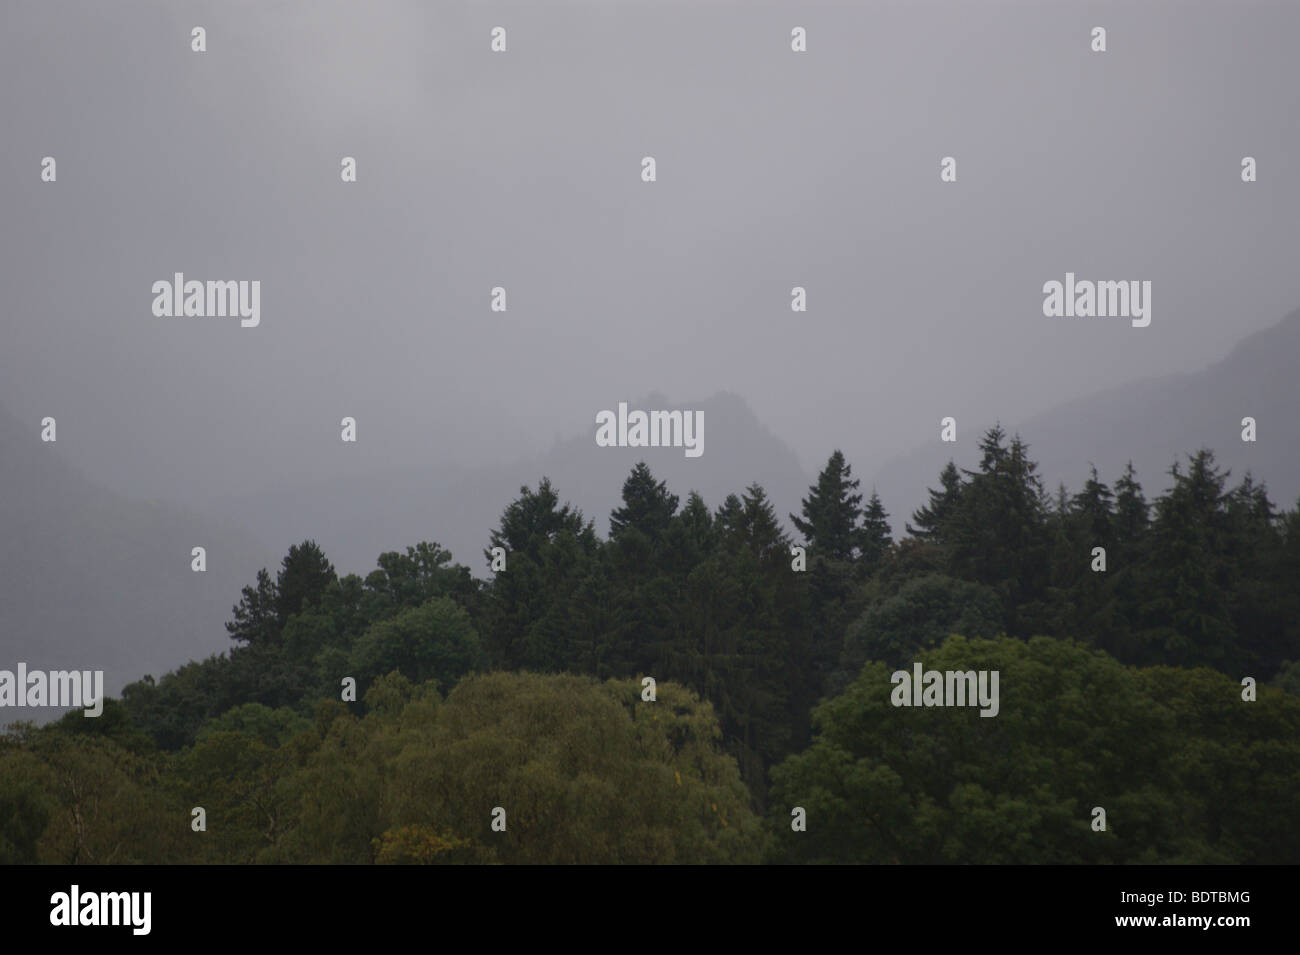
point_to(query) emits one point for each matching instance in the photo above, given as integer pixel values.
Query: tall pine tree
(875, 537)
(930, 522)
(831, 512)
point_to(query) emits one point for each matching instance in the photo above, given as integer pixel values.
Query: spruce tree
(999, 533)
(533, 520)
(550, 550)
(1132, 513)
(831, 512)
(930, 522)
(695, 526)
(1091, 512)
(1187, 613)
(728, 519)
(759, 529)
(1263, 601)
(647, 505)
(876, 537)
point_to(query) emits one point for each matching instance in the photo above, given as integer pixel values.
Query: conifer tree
(831, 512)
(1092, 512)
(759, 529)
(695, 526)
(255, 618)
(931, 520)
(549, 550)
(1190, 577)
(999, 535)
(305, 574)
(1132, 513)
(876, 536)
(647, 505)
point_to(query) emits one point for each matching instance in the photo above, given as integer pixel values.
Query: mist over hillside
(356, 519)
(1153, 422)
(94, 580)
(137, 607)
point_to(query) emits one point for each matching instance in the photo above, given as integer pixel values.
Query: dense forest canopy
(511, 719)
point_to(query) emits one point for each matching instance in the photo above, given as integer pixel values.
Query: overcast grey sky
(522, 170)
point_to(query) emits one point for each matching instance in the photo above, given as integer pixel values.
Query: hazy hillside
(95, 580)
(354, 520)
(1153, 422)
(92, 580)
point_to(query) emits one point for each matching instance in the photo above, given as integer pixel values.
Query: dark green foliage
(25, 804)
(921, 615)
(875, 538)
(550, 552)
(256, 619)
(304, 576)
(744, 648)
(423, 573)
(997, 532)
(1186, 771)
(932, 521)
(434, 641)
(647, 506)
(831, 512)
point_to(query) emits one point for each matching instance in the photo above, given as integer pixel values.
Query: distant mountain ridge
(354, 520)
(94, 581)
(1153, 422)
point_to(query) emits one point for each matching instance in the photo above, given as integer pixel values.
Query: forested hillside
(511, 720)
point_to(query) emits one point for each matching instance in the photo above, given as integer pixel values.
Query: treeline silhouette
(1122, 630)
